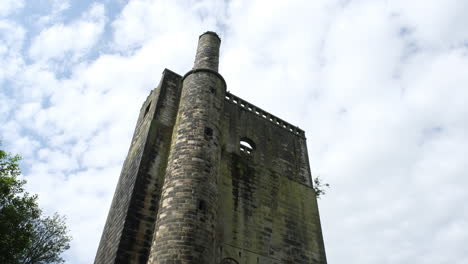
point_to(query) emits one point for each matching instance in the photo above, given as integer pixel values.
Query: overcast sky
(379, 87)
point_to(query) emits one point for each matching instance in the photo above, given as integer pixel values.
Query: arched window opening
(247, 146)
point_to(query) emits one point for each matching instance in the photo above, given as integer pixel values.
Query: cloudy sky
(379, 87)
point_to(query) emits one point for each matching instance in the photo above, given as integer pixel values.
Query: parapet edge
(295, 130)
(233, 99)
(166, 70)
(164, 73)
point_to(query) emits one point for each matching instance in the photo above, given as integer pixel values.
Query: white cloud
(434, 24)
(57, 160)
(74, 39)
(392, 117)
(143, 20)
(57, 7)
(88, 189)
(11, 41)
(13, 135)
(7, 7)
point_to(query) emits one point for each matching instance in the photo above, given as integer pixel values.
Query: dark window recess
(201, 205)
(212, 90)
(147, 109)
(247, 146)
(208, 133)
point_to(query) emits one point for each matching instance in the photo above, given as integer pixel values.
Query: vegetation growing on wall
(320, 186)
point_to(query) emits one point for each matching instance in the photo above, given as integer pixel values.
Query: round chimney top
(211, 33)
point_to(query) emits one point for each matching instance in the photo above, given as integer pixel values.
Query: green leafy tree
(26, 236)
(50, 239)
(320, 186)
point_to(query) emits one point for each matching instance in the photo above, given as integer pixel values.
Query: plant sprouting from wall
(320, 186)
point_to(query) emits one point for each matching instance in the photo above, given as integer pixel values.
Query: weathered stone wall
(185, 226)
(268, 211)
(129, 227)
(190, 193)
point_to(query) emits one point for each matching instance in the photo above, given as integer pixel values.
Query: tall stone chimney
(187, 217)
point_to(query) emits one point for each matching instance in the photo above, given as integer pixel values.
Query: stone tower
(210, 178)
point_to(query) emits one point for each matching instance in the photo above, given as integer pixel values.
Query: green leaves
(50, 239)
(26, 236)
(319, 187)
(9, 164)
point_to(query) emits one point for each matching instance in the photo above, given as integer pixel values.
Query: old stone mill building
(210, 178)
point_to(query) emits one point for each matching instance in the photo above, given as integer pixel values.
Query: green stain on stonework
(263, 212)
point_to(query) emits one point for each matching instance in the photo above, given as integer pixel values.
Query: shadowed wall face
(127, 234)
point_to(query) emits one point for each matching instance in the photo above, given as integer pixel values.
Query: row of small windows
(233, 99)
